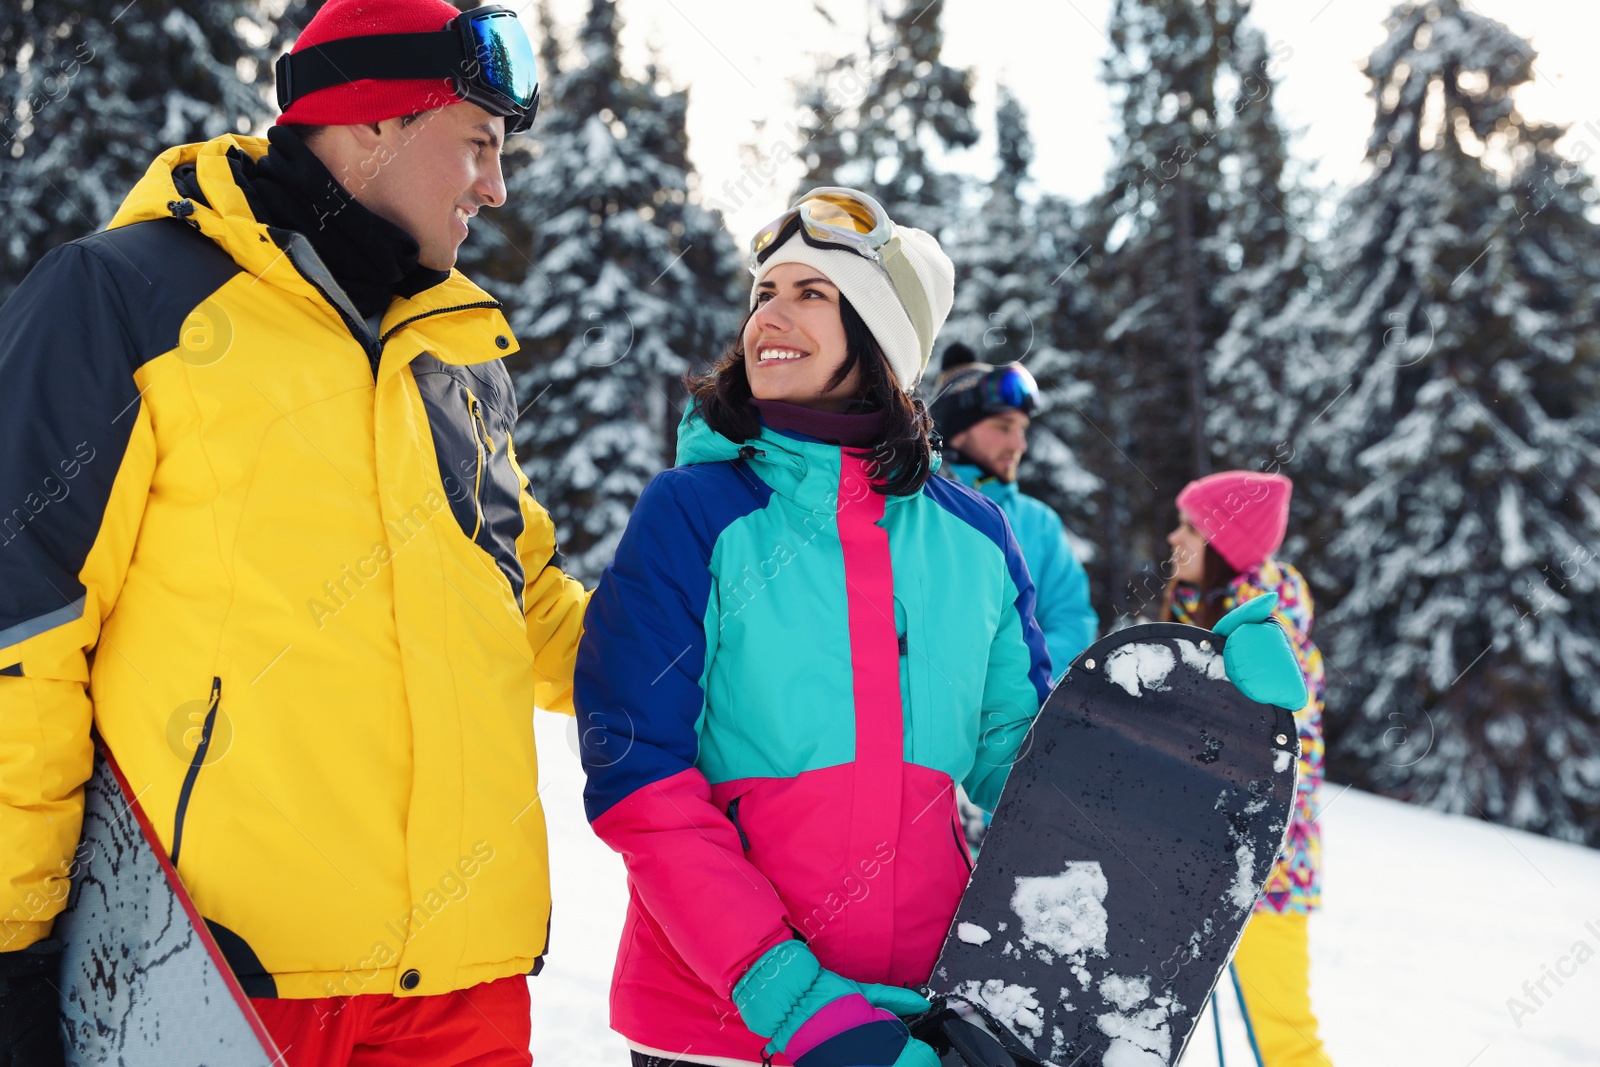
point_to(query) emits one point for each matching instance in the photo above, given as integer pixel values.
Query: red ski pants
(485, 1026)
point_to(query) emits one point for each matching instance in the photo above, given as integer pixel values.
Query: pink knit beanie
(1242, 514)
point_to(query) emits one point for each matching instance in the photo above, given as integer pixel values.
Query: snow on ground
(590, 891)
(1432, 922)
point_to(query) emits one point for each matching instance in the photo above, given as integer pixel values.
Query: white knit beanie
(866, 285)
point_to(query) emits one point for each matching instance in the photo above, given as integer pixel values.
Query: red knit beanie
(371, 99)
(1242, 514)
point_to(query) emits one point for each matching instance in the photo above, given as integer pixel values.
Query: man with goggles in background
(982, 412)
(299, 587)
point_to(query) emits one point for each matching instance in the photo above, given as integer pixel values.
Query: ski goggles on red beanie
(333, 78)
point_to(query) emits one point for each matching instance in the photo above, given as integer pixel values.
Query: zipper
(733, 817)
(477, 414)
(195, 763)
(476, 410)
(403, 323)
(372, 346)
(961, 842)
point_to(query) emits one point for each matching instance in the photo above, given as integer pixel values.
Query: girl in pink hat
(1230, 525)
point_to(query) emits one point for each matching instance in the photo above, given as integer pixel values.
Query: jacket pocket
(471, 429)
(924, 729)
(196, 761)
(733, 817)
(961, 840)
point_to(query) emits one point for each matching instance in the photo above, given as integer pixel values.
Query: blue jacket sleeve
(637, 688)
(638, 698)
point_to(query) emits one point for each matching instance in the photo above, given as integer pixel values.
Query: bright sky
(739, 61)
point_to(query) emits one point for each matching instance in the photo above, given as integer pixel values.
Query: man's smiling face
(428, 176)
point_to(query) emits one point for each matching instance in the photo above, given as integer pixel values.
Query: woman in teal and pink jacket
(803, 645)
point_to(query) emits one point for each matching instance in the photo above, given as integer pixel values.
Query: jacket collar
(226, 218)
(371, 258)
(802, 469)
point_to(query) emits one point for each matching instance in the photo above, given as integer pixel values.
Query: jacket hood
(226, 218)
(785, 463)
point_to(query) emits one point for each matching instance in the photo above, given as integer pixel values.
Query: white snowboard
(142, 981)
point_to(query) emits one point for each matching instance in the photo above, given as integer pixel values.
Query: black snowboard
(143, 983)
(1135, 833)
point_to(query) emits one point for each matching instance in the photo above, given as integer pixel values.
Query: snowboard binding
(960, 1042)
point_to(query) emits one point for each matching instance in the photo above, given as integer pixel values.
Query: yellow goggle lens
(839, 212)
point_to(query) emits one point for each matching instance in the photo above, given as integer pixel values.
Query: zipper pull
(483, 427)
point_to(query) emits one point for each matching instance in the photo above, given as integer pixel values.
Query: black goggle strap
(384, 55)
(908, 287)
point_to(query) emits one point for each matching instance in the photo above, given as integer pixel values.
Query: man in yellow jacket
(266, 533)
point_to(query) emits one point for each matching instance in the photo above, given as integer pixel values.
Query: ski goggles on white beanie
(896, 277)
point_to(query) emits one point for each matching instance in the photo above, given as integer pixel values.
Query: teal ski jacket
(782, 677)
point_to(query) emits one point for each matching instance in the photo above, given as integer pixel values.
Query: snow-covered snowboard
(142, 980)
(1135, 833)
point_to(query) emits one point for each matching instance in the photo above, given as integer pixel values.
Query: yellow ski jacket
(293, 574)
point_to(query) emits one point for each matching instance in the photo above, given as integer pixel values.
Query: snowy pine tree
(997, 252)
(827, 103)
(1187, 209)
(1092, 403)
(90, 93)
(891, 142)
(1465, 648)
(1005, 264)
(629, 284)
(1250, 417)
(1163, 72)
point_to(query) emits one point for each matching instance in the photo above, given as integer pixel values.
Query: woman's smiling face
(794, 341)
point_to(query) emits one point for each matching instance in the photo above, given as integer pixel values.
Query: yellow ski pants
(1274, 965)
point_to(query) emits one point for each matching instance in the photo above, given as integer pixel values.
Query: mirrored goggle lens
(1014, 387)
(769, 233)
(505, 57)
(830, 216)
(843, 213)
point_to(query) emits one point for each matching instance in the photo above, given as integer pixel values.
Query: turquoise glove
(1257, 655)
(787, 986)
(917, 1054)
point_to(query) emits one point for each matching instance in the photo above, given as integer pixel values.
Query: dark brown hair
(902, 459)
(1217, 574)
